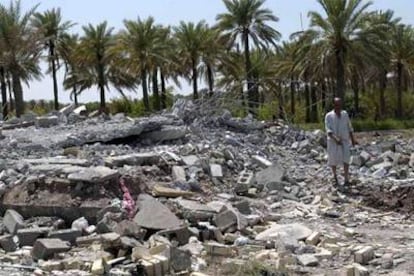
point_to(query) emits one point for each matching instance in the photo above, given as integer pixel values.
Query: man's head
(337, 104)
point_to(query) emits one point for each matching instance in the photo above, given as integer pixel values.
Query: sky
(292, 16)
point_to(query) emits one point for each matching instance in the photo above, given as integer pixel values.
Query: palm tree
(191, 43)
(68, 48)
(245, 20)
(97, 57)
(381, 61)
(142, 43)
(402, 54)
(50, 24)
(214, 50)
(344, 22)
(21, 48)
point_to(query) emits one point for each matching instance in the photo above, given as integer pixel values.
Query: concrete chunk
(364, 255)
(178, 174)
(286, 232)
(216, 171)
(154, 215)
(28, 236)
(69, 235)
(314, 238)
(7, 243)
(46, 248)
(217, 249)
(137, 159)
(13, 221)
(93, 174)
(261, 161)
(360, 270)
(225, 220)
(308, 260)
(98, 267)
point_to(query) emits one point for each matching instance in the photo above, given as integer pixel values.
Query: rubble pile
(195, 191)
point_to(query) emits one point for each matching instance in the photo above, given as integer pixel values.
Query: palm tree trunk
(314, 105)
(157, 104)
(163, 92)
(102, 108)
(323, 96)
(383, 86)
(307, 100)
(292, 96)
(340, 74)
(55, 86)
(399, 111)
(9, 87)
(18, 95)
(210, 77)
(355, 88)
(3, 93)
(281, 101)
(250, 83)
(195, 77)
(75, 95)
(145, 89)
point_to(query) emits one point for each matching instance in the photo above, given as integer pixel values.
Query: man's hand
(338, 140)
(354, 142)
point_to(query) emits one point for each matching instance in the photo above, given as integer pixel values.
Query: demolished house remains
(194, 191)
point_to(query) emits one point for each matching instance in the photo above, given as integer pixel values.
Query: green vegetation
(348, 50)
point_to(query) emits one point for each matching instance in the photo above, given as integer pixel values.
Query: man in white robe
(340, 136)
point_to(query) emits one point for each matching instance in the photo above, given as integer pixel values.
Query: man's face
(337, 105)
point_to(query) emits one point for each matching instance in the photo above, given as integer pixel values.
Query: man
(340, 136)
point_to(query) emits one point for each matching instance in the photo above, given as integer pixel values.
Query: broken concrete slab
(307, 260)
(47, 121)
(159, 190)
(136, 159)
(225, 220)
(69, 235)
(13, 221)
(192, 205)
(94, 174)
(286, 232)
(28, 236)
(58, 160)
(275, 173)
(46, 248)
(154, 215)
(191, 160)
(166, 133)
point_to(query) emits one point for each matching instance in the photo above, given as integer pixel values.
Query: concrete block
(360, 270)
(314, 238)
(216, 171)
(364, 255)
(46, 248)
(13, 221)
(98, 267)
(165, 263)
(217, 249)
